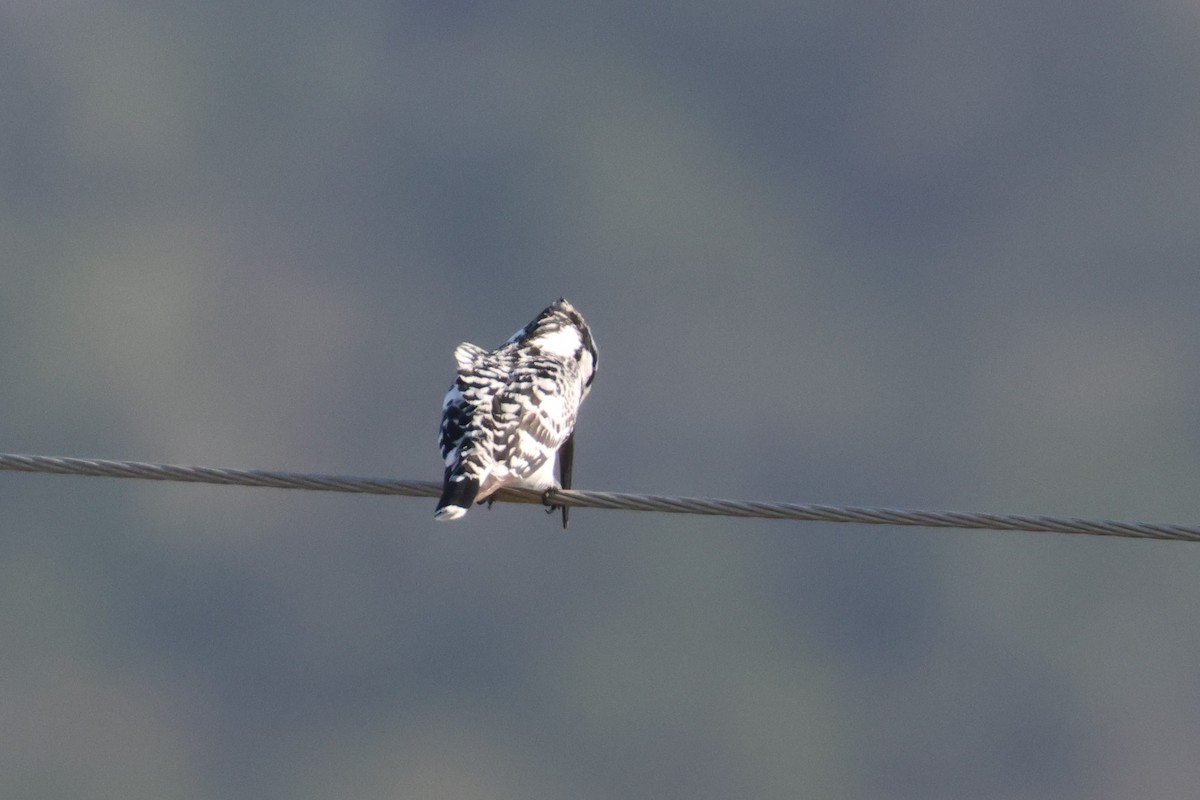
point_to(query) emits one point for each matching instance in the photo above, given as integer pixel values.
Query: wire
(611, 500)
(59, 465)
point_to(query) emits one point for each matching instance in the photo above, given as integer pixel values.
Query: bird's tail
(458, 493)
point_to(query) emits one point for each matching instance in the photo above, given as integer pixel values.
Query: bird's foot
(548, 501)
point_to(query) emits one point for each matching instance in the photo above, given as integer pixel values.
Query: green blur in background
(910, 254)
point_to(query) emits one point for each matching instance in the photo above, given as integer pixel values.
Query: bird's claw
(548, 501)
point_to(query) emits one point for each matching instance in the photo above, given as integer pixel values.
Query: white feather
(564, 342)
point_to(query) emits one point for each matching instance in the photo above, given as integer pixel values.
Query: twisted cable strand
(60, 465)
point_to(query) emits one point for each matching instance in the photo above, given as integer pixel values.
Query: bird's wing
(536, 414)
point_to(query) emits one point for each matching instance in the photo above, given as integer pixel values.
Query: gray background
(922, 254)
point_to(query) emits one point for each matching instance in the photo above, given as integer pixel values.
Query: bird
(509, 417)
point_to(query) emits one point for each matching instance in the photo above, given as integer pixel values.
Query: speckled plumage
(511, 410)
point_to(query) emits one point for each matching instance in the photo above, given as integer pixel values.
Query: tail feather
(566, 463)
(457, 496)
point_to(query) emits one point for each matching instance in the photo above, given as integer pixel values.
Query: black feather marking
(566, 463)
(459, 493)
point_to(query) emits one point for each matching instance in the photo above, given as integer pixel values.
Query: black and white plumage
(510, 415)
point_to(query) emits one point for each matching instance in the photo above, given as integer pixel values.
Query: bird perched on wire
(510, 415)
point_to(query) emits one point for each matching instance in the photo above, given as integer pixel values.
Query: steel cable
(59, 465)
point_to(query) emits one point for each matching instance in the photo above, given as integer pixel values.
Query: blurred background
(921, 254)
